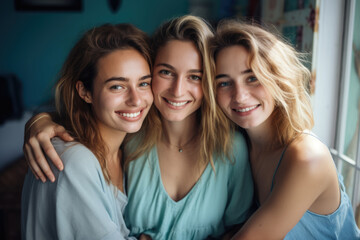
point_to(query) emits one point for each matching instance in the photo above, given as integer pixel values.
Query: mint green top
(215, 203)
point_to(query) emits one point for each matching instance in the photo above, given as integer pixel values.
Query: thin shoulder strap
(277, 167)
(282, 155)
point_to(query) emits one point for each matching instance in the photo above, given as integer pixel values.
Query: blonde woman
(103, 93)
(185, 179)
(261, 85)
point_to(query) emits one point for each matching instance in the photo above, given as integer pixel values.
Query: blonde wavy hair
(279, 68)
(212, 126)
(74, 113)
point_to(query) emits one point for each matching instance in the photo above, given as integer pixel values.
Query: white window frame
(338, 151)
(333, 51)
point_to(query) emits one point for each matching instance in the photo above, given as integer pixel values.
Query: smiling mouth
(243, 110)
(176, 104)
(129, 115)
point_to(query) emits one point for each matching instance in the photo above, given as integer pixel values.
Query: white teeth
(130, 115)
(246, 109)
(177, 104)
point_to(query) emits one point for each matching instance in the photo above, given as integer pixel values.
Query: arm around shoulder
(38, 132)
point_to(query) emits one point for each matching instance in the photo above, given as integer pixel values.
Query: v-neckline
(192, 190)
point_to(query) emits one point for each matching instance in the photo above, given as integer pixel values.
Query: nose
(241, 93)
(134, 98)
(178, 87)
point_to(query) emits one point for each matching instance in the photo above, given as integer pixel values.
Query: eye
(195, 78)
(145, 84)
(116, 87)
(252, 79)
(165, 72)
(224, 84)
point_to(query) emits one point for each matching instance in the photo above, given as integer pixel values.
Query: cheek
(198, 92)
(157, 85)
(148, 97)
(222, 99)
(272, 105)
(266, 95)
(110, 101)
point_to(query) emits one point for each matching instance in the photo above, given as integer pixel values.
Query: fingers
(48, 148)
(33, 164)
(39, 146)
(27, 157)
(51, 153)
(62, 133)
(34, 153)
(66, 137)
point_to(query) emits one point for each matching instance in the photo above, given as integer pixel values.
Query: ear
(83, 93)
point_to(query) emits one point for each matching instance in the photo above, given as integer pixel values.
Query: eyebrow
(247, 71)
(165, 65)
(226, 75)
(145, 77)
(172, 68)
(122, 79)
(117, 79)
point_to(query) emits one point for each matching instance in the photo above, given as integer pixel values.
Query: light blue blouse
(216, 202)
(80, 204)
(339, 225)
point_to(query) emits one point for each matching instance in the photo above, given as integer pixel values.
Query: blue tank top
(339, 225)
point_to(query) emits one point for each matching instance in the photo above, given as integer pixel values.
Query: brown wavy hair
(279, 68)
(74, 113)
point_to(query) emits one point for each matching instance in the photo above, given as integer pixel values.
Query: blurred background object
(10, 98)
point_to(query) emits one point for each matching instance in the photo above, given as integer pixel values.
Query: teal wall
(34, 44)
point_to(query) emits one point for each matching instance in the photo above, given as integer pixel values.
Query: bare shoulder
(309, 155)
(310, 169)
(309, 149)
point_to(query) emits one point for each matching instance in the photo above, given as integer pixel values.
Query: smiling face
(177, 80)
(239, 93)
(121, 96)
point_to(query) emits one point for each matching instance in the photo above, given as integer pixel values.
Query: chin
(248, 126)
(173, 117)
(242, 124)
(132, 129)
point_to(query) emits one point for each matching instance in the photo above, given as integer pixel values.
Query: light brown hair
(212, 138)
(74, 113)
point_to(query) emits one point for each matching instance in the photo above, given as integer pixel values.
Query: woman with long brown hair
(103, 93)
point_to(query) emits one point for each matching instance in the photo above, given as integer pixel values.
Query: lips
(176, 103)
(245, 109)
(129, 115)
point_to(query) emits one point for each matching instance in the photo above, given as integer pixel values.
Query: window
(346, 151)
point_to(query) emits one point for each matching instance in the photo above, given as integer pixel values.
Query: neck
(113, 140)
(182, 132)
(262, 137)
